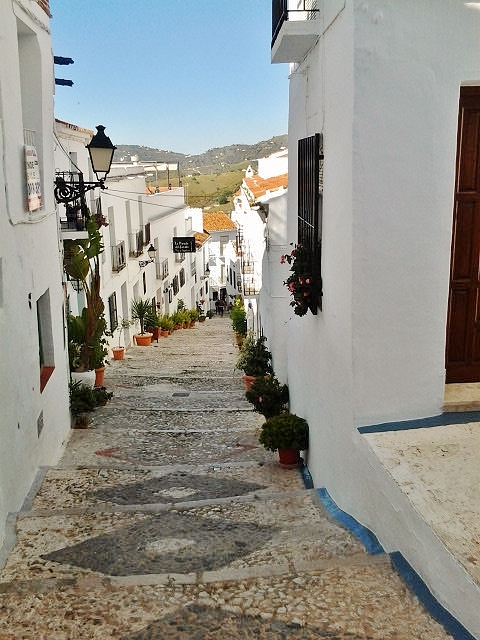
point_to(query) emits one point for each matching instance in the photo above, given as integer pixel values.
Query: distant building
(257, 202)
(223, 262)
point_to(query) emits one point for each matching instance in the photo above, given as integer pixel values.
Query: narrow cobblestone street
(167, 520)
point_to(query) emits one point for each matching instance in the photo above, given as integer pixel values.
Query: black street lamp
(151, 251)
(101, 152)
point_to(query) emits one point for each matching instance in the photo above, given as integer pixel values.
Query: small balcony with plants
(296, 27)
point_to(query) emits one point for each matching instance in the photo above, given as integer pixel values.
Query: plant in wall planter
(286, 433)
(142, 310)
(300, 282)
(254, 359)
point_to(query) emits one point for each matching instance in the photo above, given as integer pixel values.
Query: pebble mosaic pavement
(166, 520)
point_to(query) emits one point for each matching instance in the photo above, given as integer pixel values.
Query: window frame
(309, 211)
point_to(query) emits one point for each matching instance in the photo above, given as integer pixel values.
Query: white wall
(382, 85)
(273, 302)
(383, 89)
(30, 262)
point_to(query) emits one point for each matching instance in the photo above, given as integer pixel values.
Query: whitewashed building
(132, 220)
(260, 199)
(223, 263)
(380, 93)
(34, 420)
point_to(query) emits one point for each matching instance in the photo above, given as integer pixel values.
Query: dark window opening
(112, 311)
(309, 228)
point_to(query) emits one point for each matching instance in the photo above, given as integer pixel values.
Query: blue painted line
(420, 589)
(367, 537)
(462, 417)
(306, 477)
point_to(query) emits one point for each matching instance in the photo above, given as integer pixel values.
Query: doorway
(462, 359)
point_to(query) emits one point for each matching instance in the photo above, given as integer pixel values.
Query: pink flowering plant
(299, 282)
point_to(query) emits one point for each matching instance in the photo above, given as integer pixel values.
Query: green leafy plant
(254, 359)
(300, 280)
(142, 311)
(81, 262)
(166, 323)
(268, 396)
(101, 395)
(285, 431)
(124, 323)
(193, 315)
(82, 398)
(239, 318)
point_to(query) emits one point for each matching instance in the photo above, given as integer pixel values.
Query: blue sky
(180, 75)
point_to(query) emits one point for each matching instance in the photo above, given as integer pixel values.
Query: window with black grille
(310, 190)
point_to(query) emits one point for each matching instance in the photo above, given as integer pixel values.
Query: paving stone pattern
(167, 520)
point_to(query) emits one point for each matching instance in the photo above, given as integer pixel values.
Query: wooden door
(463, 326)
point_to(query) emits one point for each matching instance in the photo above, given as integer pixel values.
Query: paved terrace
(166, 519)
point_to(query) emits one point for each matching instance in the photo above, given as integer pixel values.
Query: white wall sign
(34, 187)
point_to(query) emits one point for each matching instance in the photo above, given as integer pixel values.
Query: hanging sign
(184, 244)
(32, 171)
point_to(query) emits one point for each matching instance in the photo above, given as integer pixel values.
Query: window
(223, 244)
(112, 311)
(146, 235)
(175, 285)
(45, 339)
(310, 187)
(182, 277)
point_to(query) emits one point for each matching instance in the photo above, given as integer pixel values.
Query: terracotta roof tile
(200, 238)
(259, 186)
(217, 221)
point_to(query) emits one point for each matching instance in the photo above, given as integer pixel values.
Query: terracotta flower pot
(288, 457)
(143, 339)
(99, 376)
(118, 353)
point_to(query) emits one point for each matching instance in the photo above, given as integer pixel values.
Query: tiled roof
(259, 186)
(200, 238)
(217, 221)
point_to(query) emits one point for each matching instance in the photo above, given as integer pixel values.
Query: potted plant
(142, 311)
(254, 359)
(82, 403)
(286, 433)
(239, 321)
(81, 262)
(193, 315)
(166, 325)
(153, 324)
(102, 396)
(268, 396)
(119, 352)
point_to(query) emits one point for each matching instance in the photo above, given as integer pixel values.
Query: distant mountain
(221, 158)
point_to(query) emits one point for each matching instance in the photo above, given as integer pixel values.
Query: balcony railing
(292, 38)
